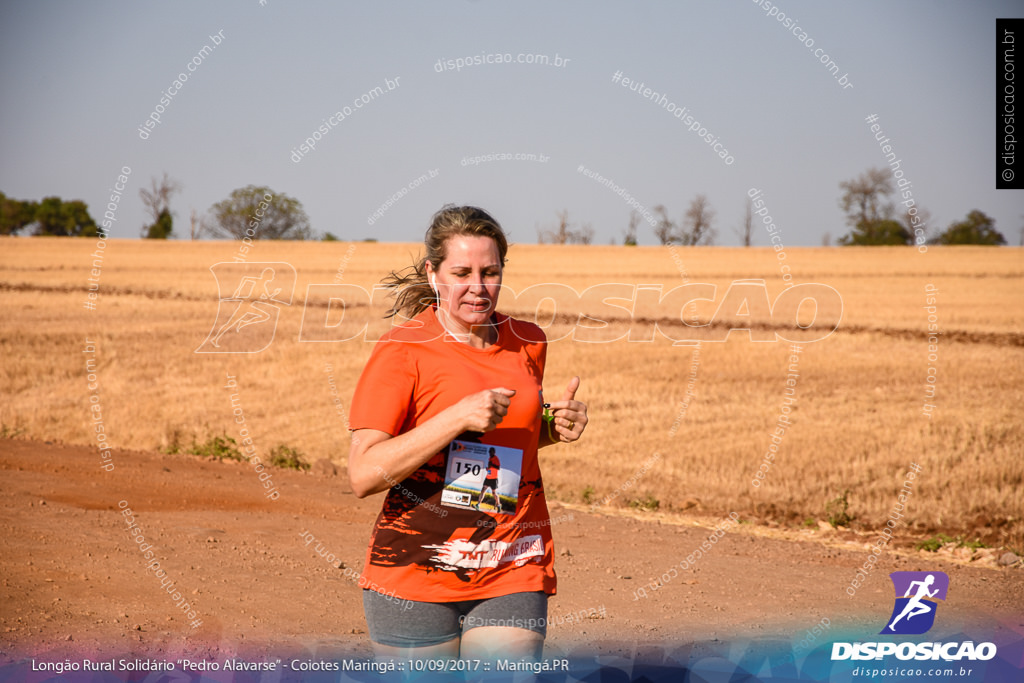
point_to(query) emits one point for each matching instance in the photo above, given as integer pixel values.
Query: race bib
(482, 477)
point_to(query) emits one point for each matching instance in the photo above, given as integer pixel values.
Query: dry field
(680, 426)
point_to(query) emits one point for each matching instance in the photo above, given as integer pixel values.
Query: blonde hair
(412, 292)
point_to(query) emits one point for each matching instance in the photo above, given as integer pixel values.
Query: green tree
(259, 213)
(162, 228)
(15, 215)
(869, 212)
(886, 232)
(977, 228)
(64, 219)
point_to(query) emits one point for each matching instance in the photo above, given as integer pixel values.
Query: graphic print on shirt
(482, 477)
(460, 553)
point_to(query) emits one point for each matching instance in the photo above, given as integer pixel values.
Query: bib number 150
(467, 467)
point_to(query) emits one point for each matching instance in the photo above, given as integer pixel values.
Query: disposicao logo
(917, 596)
(249, 303)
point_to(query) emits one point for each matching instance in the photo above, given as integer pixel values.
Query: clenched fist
(484, 410)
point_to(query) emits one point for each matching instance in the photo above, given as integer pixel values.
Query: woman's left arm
(570, 418)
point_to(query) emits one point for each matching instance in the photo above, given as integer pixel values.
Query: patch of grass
(648, 502)
(934, 543)
(288, 458)
(837, 510)
(10, 432)
(220, 447)
(938, 540)
(588, 495)
(174, 443)
(810, 521)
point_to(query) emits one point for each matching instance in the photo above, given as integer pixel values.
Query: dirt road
(75, 584)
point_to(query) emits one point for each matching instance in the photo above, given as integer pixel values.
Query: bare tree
(666, 230)
(206, 227)
(564, 234)
(629, 237)
(585, 235)
(864, 197)
(746, 229)
(697, 222)
(560, 235)
(157, 201)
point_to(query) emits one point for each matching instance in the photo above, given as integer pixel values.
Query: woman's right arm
(377, 460)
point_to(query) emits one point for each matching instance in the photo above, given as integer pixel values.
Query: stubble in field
(684, 426)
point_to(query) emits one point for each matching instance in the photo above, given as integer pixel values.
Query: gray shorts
(408, 623)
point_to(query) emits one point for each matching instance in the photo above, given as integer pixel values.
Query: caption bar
(1008, 166)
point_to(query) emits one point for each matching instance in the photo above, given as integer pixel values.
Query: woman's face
(468, 281)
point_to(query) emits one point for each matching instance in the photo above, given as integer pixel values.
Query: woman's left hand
(570, 414)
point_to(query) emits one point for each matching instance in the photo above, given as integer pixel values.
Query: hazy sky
(79, 79)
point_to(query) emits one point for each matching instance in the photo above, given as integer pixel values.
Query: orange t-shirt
(435, 539)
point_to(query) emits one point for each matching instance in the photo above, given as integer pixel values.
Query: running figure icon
(916, 605)
(250, 299)
(251, 307)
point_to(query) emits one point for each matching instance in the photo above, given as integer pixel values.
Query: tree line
(257, 212)
(874, 219)
(867, 201)
(253, 211)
